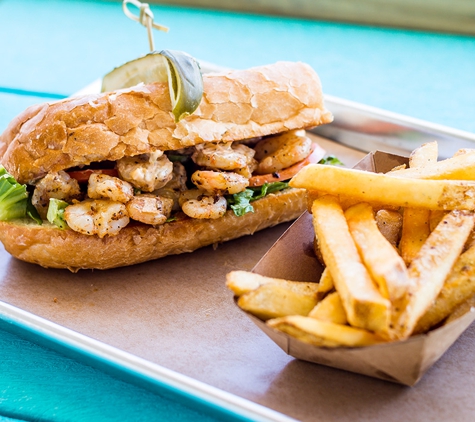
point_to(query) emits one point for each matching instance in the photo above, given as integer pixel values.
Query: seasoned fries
(425, 155)
(364, 304)
(273, 301)
(379, 188)
(459, 286)
(325, 285)
(416, 226)
(458, 167)
(461, 310)
(431, 267)
(389, 223)
(241, 282)
(324, 334)
(384, 264)
(415, 231)
(397, 251)
(330, 309)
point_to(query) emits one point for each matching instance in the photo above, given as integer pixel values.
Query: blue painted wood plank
(39, 384)
(59, 46)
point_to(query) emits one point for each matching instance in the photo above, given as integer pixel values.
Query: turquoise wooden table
(50, 49)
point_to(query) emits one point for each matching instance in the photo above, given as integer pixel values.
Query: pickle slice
(180, 70)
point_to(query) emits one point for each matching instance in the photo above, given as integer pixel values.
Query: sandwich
(113, 179)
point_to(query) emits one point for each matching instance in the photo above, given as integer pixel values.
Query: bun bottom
(51, 247)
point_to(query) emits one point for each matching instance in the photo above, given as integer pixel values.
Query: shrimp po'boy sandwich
(117, 178)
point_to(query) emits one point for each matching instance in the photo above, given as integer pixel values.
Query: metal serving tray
(369, 129)
(171, 325)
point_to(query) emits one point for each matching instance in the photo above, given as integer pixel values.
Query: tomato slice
(82, 176)
(315, 156)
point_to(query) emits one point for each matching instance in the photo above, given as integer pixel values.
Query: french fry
(345, 201)
(462, 151)
(384, 189)
(389, 223)
(459, 286)
(460, 310)
(325, 284)
(431, 267)
(435, 218)
(364, 305)
(470, 241)
(415, 231)
(425, 155)
(458, 167)
(399, 167)
(322, 333)
(330, 309)
(241, 282)
(273, 301)
(382, 261)
(317, 252)
(415, 226)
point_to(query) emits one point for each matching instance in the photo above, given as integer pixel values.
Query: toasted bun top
(236, 105)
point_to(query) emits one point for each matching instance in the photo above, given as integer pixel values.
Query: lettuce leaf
(55, 213)
(240, 202)
(267, 188)
(331, 160)
(32, 212)
(13, 197)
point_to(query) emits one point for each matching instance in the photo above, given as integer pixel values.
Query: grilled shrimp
(54, 185)
(103, 186)
(175, 186)
(279, 152)
(146, 171)
(189, 194)
(203, 206)
(251, 161)
(150, 209)
(99, 216)
(223, 156)
(221, 183)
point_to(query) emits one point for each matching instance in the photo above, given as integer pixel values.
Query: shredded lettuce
(240, 202)
(13, 197)
(267, 188)
(55, 213)
(331, 160)
(32, 212)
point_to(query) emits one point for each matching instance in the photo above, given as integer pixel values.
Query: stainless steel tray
(171, 325)
(369, 128)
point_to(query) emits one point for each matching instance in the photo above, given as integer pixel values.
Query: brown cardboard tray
(404, 362)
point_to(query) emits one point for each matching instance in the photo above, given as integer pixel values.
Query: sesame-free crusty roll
(135, 185)
(237, 105)
(51, 247)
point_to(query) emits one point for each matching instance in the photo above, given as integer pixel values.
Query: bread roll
(236, 105)
(49, 246)
(75, 132)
